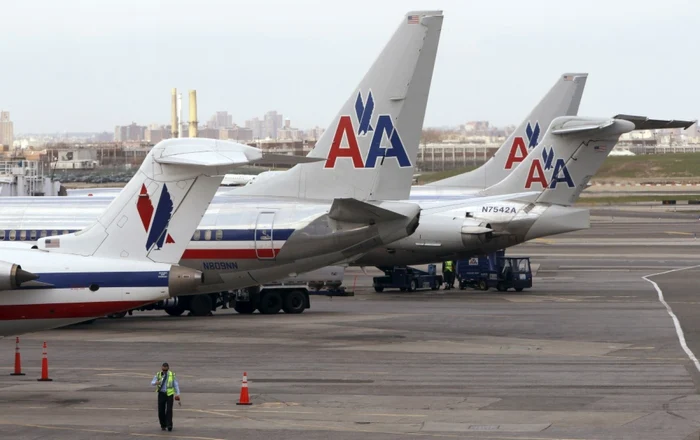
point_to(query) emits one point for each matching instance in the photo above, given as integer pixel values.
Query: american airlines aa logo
(155, 224)
(518, 151)
(345, 143)
(540, 167)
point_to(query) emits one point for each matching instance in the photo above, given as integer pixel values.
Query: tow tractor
(407, 279)
(495, 270)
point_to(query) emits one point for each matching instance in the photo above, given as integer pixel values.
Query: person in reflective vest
(168, 390)
(448, 273)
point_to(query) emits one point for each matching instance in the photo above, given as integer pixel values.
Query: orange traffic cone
(45, 367)
(18, 361)
(245, 399)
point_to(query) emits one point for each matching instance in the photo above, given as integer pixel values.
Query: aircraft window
(43, 233)
(219, 234)
(13, 235)
(32, 235)
(207, 234)
(196, 235)
(2, 235)
(65, 232)
(22, 235)
(54, 232)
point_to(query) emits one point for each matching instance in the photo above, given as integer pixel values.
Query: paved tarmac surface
(589, 353)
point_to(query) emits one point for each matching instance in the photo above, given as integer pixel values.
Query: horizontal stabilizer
(355, 211)
(578, 127)
(269, 159)
(205, 159)
(644, 123)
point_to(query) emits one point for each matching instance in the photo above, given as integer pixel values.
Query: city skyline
(495, 60)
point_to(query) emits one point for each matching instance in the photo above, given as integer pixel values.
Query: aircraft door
(264, 241)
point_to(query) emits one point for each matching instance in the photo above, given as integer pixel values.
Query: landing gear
(200, 305)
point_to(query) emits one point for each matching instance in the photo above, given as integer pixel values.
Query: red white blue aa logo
(156, 224)
(345, 143)
(540, 167)
(518, 151)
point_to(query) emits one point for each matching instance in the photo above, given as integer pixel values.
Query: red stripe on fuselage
(66, 310)
(228, 254)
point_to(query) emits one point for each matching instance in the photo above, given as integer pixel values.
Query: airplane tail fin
(371, 146)
(571, 152)
(563, 99)
(154, 216)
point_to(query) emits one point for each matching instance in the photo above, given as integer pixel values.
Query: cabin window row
(207, 234)
(28, 235)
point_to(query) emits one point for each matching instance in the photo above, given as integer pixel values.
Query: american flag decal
(413, 19)
(52, 243)
(600, 148)
(568, 77)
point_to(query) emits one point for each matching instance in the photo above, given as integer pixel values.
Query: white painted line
(676, 322)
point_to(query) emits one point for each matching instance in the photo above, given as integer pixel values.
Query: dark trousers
(449, 278)
(165, 410)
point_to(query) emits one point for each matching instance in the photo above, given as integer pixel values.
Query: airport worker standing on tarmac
(448, 274)
(168, 389)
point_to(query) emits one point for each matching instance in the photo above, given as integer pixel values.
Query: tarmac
(590, 352)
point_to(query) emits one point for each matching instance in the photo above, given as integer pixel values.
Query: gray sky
(89, 65)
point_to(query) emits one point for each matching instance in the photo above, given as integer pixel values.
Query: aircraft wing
(644, 123)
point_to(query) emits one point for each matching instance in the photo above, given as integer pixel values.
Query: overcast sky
(90, 65)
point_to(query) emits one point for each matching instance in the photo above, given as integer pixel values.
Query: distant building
(7, 134)
(209, 133)
(129, 133)
(81, 159)
(273, 122)
(157, 134)
(238, 134)
(256, 127)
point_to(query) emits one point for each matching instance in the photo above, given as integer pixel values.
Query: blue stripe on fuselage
(228, 234)
(63, 280)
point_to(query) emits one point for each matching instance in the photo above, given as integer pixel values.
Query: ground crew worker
(448, 274)
(167, 388)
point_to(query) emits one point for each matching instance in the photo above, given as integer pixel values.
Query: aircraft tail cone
(18, 361)
(44, 367)
(244, 399)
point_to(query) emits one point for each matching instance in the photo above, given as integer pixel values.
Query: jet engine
(12, 276)
(473, 226)
(184, 281)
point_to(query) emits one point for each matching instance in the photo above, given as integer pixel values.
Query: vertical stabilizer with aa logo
(154, 216)
(569, 155)
(563, 99)
(371, 146)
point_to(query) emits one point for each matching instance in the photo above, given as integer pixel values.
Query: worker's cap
(165, 364)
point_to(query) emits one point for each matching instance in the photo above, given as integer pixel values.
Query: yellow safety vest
(448, 266)
(169, 388)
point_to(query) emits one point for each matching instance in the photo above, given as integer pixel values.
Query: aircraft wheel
(200, 305)
(270, 303)
(244, 307)
(294, 302)
(175, 311)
